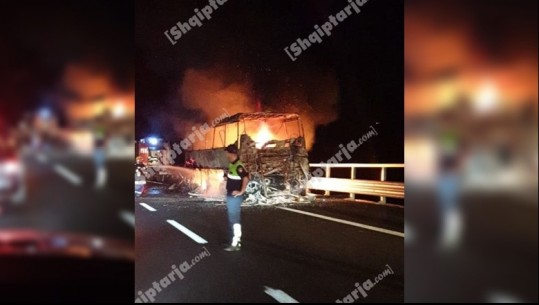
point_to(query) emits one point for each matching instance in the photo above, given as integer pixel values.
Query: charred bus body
(271, 146)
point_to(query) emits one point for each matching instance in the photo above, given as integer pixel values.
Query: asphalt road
(61, 197)
(62, 202)
(285, 256)
(495, 260)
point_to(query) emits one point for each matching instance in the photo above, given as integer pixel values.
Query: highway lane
(61, 197)
(285, 255)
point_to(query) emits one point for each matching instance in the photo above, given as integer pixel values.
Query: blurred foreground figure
(449, 177)
(100, 155)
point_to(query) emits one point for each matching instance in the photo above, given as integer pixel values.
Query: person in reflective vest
(237, 179)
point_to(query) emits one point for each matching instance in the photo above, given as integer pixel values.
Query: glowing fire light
(486, 99)
(210, 182)
(119, 110)
(262, 136)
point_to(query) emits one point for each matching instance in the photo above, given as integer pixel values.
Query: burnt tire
(298, 187)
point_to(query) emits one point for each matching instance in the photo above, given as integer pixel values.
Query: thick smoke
(215, 91)
(213, 95)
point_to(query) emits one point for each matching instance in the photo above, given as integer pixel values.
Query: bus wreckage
(272, 149)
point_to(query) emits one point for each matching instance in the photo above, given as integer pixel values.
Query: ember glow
(486, 99)
(210, 182)
(263, 135)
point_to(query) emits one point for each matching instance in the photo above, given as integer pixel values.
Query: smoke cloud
(212, 92)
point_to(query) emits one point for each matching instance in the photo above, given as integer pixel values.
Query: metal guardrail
(355, 186)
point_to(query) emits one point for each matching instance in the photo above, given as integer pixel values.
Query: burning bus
(271, 147)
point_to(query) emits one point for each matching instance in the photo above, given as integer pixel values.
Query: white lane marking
(68, 174)
(42, 158)
(279, 295)
(147, 207)
(128, 217)
(187, 232)
(351, 223)
(502, 297)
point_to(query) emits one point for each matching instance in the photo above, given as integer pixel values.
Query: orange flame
(210, 181)
(263, 135)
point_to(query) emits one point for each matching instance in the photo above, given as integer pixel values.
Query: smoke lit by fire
(217, 91)
(446, 59)
(208, 92)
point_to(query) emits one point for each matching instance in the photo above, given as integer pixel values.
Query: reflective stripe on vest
(233, 177)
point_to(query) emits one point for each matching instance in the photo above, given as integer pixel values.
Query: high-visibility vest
(233, 170)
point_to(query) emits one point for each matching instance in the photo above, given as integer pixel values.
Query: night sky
(363, 57)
